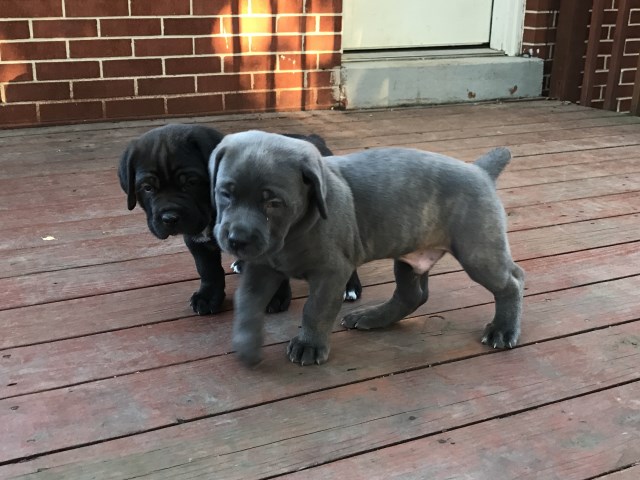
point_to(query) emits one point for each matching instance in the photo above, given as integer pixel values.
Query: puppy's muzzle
(240, 239)
(170, 219)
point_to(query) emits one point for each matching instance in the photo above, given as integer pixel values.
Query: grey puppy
(287, 212)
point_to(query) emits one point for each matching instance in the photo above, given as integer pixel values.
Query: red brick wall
(624, 88)
(64, 61)
(541, 19)
(538, 40)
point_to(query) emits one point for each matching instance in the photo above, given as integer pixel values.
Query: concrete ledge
(414, 81)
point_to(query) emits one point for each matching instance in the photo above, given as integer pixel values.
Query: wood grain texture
(106, 373)
(294, 433)
(593, 433)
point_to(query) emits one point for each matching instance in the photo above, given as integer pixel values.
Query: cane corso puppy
(165, 171)
(288, 213)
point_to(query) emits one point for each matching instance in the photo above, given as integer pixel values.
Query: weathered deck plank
(340, 422)
(106, 373)
(51, 286)
(122, 350)
(592, 433)
(630, 473)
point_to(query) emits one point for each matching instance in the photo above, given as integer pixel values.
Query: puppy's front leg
(258, 284)
(208, 299)
(311, 345)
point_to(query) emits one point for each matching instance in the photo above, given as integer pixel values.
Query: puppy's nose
(169, 218)
(238, 241)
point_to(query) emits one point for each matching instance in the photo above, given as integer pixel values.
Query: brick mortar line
(165, 96)
(164, 77)
(94, 59)
(222, 56)
(186, 16)
(177, 37)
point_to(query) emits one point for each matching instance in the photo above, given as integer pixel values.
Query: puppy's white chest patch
(422, 260)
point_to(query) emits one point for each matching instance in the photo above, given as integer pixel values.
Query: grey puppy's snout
(238, 240)
(240, 237)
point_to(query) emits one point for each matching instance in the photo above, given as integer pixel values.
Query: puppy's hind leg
(411, 292)
(505, 279)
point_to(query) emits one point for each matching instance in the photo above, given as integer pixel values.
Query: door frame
(507, 26)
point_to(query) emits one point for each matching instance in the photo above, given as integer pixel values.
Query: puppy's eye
(224, 194)
(190, 182)
(148, 188)
(274, 203)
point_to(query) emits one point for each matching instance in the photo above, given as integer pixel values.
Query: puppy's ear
(206, 140)
(313, 173)
(127, 175)
(214, 164)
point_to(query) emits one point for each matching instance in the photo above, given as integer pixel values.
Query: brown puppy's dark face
(165, 170)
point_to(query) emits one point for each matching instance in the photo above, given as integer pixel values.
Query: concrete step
(387, 79)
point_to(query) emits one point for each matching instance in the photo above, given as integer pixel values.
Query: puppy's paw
(306, 353)
(499, 336)
(206, 303)
(351, 295)
(281, 300)
(353, 290)
(365, 319)
(236, 267)
(247, 349)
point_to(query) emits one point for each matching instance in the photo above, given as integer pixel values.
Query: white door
(385, 24)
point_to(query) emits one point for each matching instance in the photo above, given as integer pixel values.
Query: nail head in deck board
(358, 417)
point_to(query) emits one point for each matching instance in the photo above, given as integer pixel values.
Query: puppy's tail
(494, 161)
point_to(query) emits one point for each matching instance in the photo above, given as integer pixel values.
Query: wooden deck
(106, 374)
